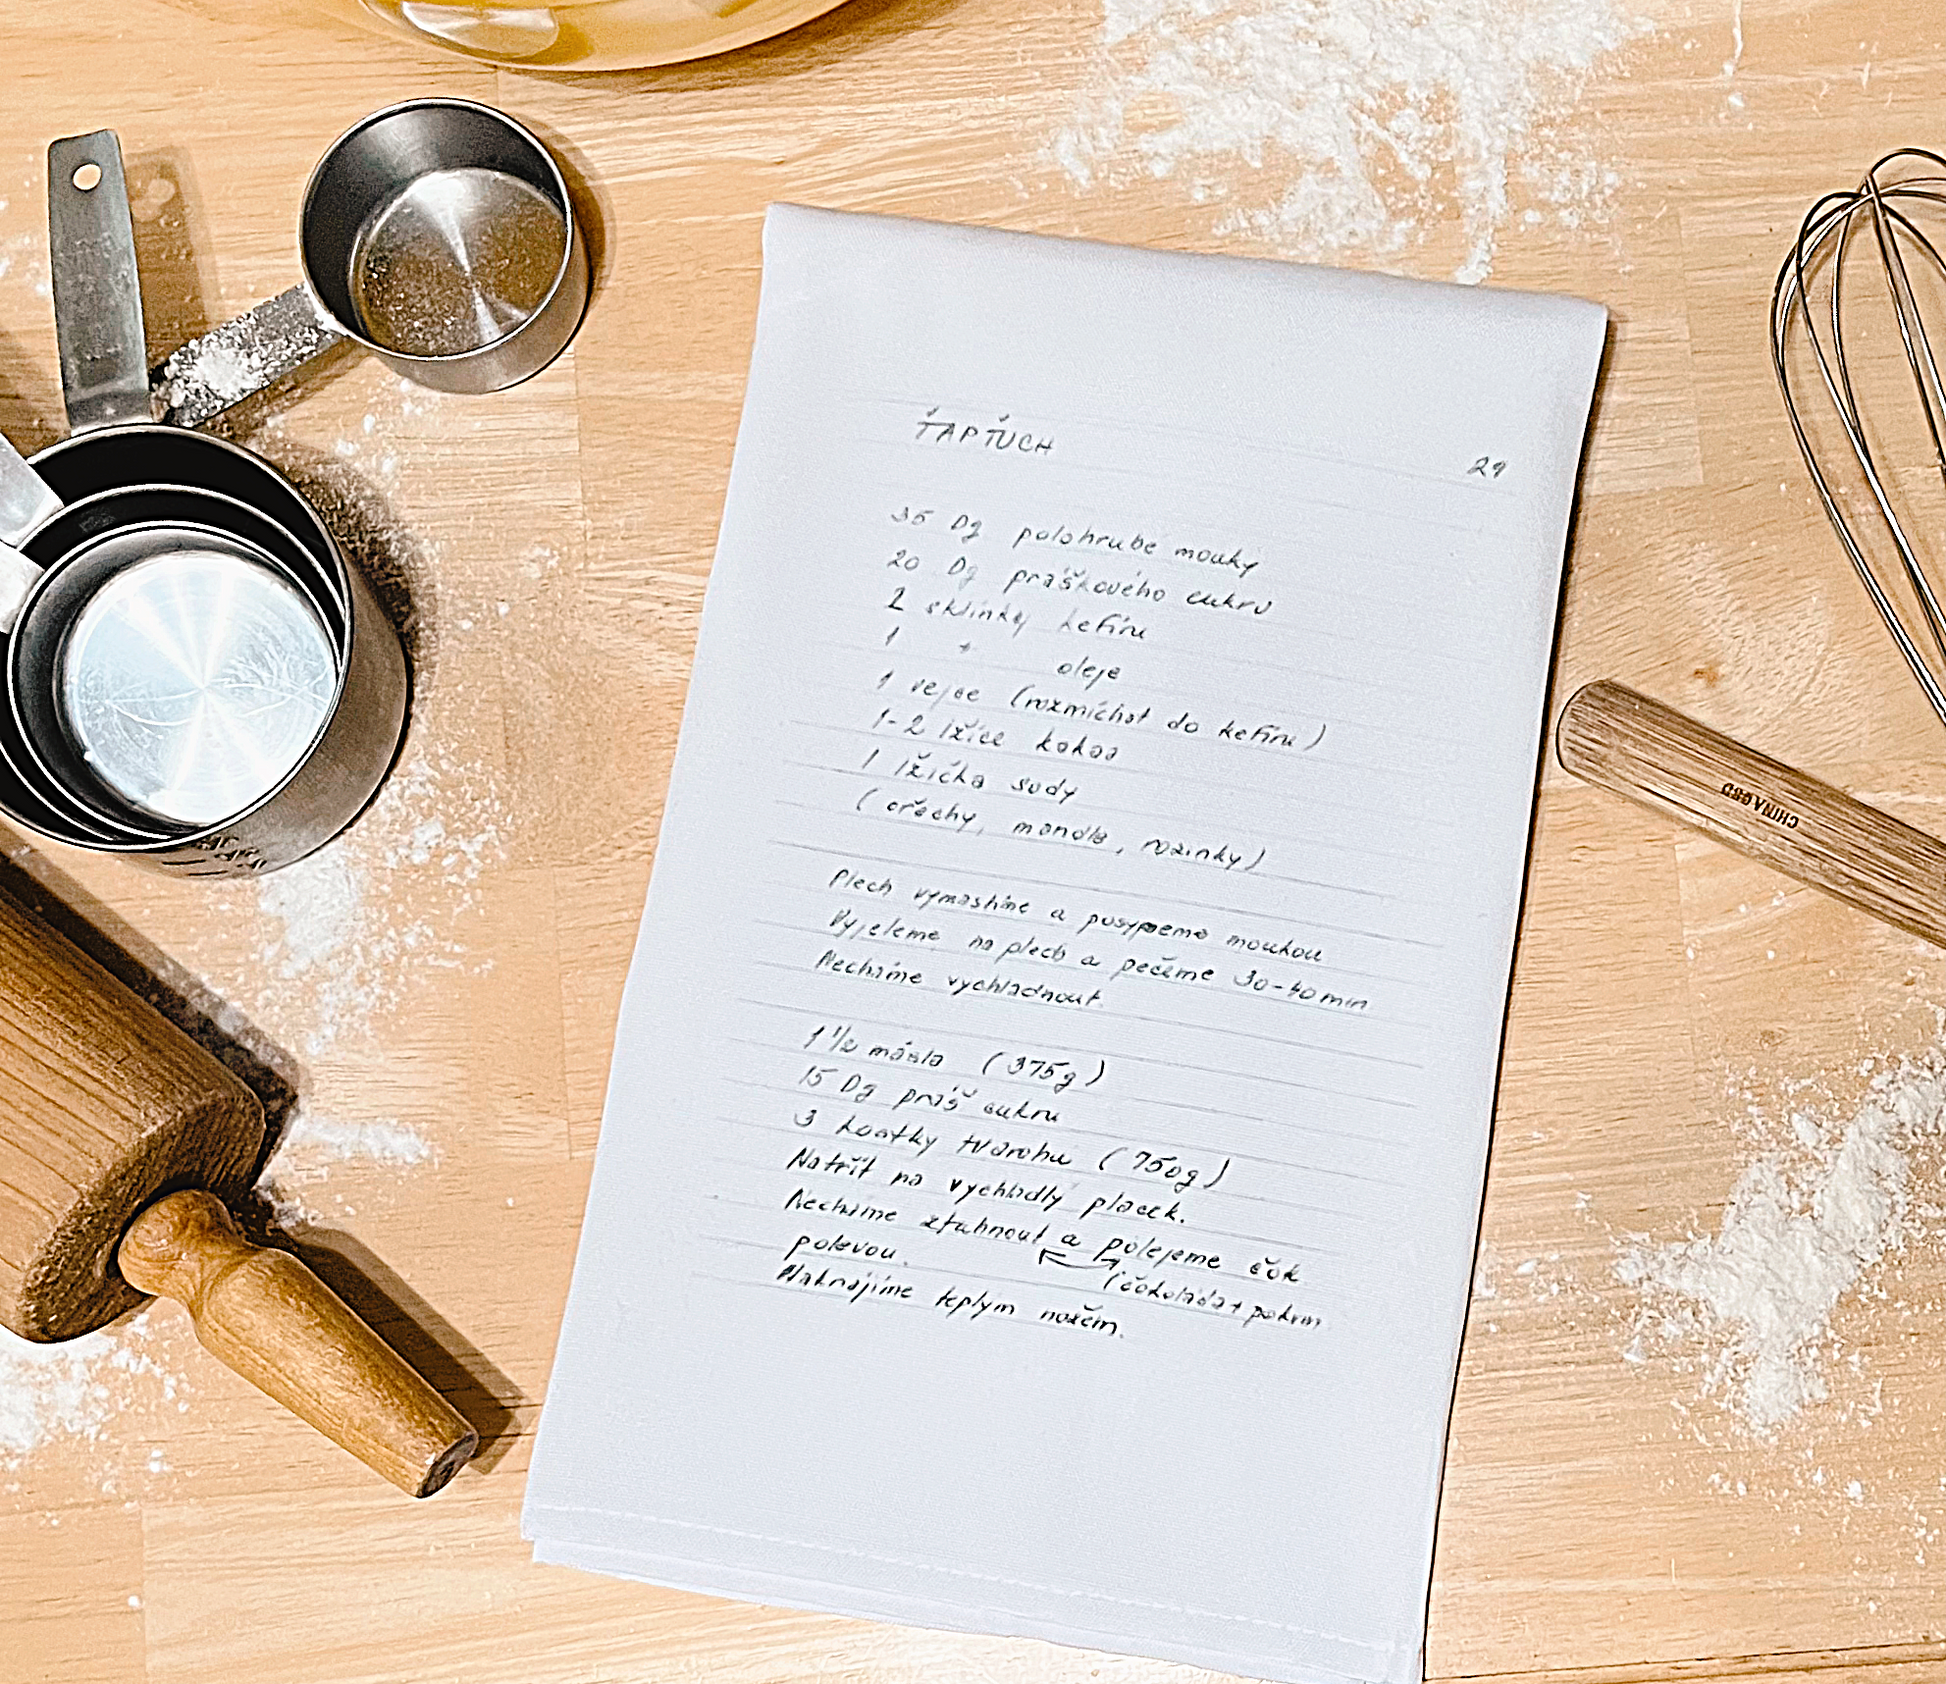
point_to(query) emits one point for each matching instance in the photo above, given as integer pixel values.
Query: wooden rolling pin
(120, 1141)
(1805, 828)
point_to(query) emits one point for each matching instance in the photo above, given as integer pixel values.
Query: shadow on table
(31, 412)
(143, 968)
(166, 210)
(451, 1364)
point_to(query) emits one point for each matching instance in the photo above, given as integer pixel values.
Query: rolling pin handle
(1625, 742)
(268, 1317)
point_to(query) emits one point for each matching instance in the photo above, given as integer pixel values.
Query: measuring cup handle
(219, 369)
(97, 292)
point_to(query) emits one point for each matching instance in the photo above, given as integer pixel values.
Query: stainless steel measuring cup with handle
(437, 234)
(194, 676)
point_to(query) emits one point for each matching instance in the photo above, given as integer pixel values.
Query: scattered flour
(310, 1148)
(72, 1389)
(317, 903)
(241, 357)
(1388, 118)
(1804, 1226)
(353, 928)
(23, 255)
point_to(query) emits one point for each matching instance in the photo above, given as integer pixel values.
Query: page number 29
(1487, 468)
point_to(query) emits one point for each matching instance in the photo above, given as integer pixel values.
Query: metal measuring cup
(439, 235)
(128, 524)
(172, 668)
(98, 304)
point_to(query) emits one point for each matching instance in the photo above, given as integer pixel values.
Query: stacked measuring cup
(194, 676)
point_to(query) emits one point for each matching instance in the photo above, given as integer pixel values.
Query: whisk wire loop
(1885, 203)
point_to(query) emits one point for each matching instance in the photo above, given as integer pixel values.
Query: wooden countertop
(457, 971)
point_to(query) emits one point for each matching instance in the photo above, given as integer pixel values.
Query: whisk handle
(1666, 761)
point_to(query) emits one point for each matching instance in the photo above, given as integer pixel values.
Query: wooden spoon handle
(1663, 759)
(268, 1317)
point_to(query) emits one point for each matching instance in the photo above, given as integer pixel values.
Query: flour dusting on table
(311, 1146)
(1805, 1226)
(1397, 117)
(355, 928)
(72, 1389)
(353, 931)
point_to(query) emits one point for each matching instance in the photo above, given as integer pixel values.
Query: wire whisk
(1891, 207)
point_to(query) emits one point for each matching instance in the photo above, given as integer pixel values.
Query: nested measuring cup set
(195, 676)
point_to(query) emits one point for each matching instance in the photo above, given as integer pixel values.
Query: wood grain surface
(453, 971)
